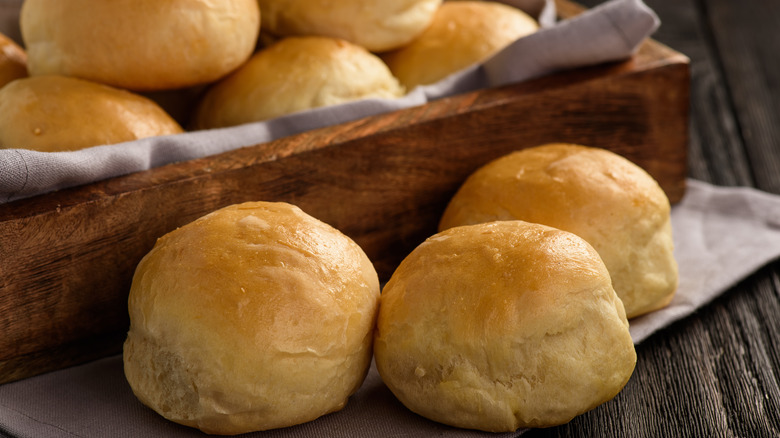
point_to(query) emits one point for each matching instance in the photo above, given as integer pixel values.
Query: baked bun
(502, 325)
(141, 45)
(462, 34)
(377, 25)
(13, 61)
(253, 317)
(598, 195)
(296, 74)
(56, 113)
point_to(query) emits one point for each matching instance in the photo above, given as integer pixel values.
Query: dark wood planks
(747, 36)
(716, 373)
(716, 152)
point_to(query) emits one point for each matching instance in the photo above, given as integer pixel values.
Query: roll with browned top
(253, 317)
(502, 325)
(141, 45)
(612, 203)
(57, 113)
(462, 34)
(296, 74)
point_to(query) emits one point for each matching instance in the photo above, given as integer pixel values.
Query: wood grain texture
(751, 69)
(716, 151)
(716, 373)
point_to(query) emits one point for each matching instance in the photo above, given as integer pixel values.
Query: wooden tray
(67, 258)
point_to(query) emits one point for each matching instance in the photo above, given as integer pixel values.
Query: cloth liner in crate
(612, 31)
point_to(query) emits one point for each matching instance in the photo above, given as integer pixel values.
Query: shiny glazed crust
(141, 45)
(254, 317)
(296, 74)
(56, 113)
(602, 197)
(377, 25)
(461, 34)
(502, 325)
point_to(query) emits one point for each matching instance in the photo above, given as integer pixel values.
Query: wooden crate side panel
(64, 274)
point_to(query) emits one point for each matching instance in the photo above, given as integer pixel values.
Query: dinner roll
(140, 45)
(296, 74)
(377, 25)
(502, 325)
(13, 61)
(462, 34)
(56, 113)
(598, 195)
(253, 317)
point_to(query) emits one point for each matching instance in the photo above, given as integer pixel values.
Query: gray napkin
(721, 236)
(613, 31)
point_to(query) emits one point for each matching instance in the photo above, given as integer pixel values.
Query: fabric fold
(721, 235)
(610, 32)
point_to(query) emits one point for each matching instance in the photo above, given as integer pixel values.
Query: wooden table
(716, 373)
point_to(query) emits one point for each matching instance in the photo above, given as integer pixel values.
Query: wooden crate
(67, 258)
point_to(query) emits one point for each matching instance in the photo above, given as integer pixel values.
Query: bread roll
(253, 317)
(296, 74)
(462, 34)
(598, 195)
(377, 25)
(13, 61)
(56, 113)
(141, 45)
(502, 325)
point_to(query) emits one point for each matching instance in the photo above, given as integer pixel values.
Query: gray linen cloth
(721, 236)
(613, 31)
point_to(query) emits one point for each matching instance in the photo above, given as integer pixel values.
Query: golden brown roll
(462, 34)
(253, 317)
(377, 25)
(502, 325)
(13, 61)
(598, 195)
(56, 113)
(296, 74)
(141, 45)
